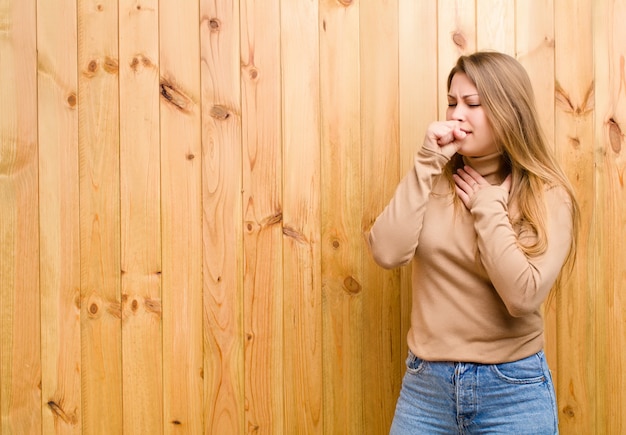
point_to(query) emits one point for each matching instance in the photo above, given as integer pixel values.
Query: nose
(456, 113)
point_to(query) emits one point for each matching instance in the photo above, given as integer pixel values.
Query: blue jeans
(467, 398)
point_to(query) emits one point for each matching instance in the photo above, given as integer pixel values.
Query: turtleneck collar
(491, 167)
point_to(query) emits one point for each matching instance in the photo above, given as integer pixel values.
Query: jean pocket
(414, 364)
(530, 370)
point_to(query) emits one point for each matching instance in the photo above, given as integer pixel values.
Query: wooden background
(184, 187)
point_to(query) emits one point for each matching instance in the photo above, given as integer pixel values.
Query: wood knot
(615, 136)
(93, 309)
(294, 234)
(351, 285)
(219, 112)
(99, 7)
(72, 100)
(110, 65)
(153, 306)
(569, 411)
(214, 24)
(459, 40)
(191, 156)
(92, 68)
(346, 3)
(60, 413)
(253, 73)
(335, 244)
(574, 141)
(176, 97)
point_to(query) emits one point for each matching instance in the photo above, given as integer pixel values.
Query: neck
(491, 167)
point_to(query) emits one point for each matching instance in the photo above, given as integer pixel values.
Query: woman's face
(464, 107)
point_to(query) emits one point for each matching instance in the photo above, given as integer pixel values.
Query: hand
(468, 182)
(444, 136)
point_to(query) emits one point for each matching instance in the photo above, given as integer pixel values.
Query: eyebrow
(463, 96)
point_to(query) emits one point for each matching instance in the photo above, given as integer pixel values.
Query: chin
(468, 152)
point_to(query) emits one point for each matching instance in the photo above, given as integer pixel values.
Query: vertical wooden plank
(59, 217)
(98, 141)
(222, 218)
(456, 20)
(381, 330)
(610, 163)
(20, 365)
(341, 202)
(495, 25)
(181, 214)
(574, 94)
(534, 48)
(301, 217)
(418, 107)
(262, 208)
(140, 217)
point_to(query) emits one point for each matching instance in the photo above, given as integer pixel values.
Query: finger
(467, 178)
(473, 173)
(463, 196)
(462, 184)
(459, 134)
(444, 138)
(442, 131)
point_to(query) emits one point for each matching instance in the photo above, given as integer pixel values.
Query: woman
(489, 221)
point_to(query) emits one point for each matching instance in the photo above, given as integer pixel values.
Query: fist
(445, 137)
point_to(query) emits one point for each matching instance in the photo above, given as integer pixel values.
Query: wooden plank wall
(184, 188)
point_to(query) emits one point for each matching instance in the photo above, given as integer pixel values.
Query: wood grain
(181, 215)
(381, 331)
(341, 202)
(140, 165)
(301, 217)
(609, 359)
(263, 216)
(456, 33)
(222, 218)
(574, 98)
(495, 25)
(98, 142)
(535, 49)
(59, 218)
(20, 359)
(185, 187)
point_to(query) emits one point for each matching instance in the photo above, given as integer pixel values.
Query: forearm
(394, 236)
(522, 282)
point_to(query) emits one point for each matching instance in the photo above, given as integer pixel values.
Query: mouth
(466, 131)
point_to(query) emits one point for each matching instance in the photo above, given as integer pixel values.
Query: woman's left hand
(468, 182)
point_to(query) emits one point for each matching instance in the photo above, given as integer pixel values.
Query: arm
(394, 235)
(522, 282)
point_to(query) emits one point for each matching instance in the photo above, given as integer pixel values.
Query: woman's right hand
(445, 137)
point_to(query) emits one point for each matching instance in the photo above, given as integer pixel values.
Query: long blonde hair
(507, 97)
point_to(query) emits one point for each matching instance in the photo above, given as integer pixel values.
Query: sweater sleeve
(394, 236)
(522, 282)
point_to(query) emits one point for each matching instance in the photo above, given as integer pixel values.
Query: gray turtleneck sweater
(476, 295)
